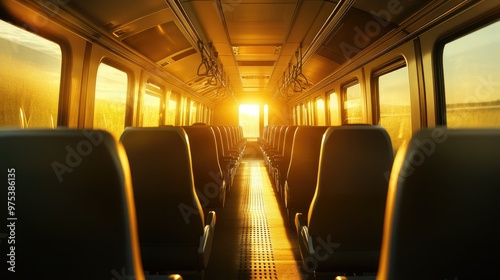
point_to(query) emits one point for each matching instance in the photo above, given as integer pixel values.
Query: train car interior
(249, 139)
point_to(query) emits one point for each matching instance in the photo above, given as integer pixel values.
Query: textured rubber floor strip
(256, 250)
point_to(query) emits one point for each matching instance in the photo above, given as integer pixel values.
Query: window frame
(438, 51)
(389, 67)
(343, 95)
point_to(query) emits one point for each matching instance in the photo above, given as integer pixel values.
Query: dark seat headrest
(73, 211)
(442, 211)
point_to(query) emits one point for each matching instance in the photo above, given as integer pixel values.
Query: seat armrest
(277, 158)
(206, 240)
(305, 240)
(222, 194)
(287, 192)
(300, 221)
(230, 158)
(210, 219)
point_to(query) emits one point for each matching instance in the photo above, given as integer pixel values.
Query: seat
(300, 182)
(226, 162)
(241, 137)
(262, 140)
(237, 143)
(72, 212)
(174, 234)
(209, 180)
(342, 233)
(268, 143)
(277, 150)
(280, 163)
(442, 211)
(228, 148)
(239, 140)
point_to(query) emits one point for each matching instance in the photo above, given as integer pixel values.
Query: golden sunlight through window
(249, 120)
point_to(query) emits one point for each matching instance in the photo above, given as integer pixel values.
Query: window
(249, 120)
(266, 115)
(172, 109)
(209, 115)
(334, 109)
(298, 110)
(310, 112)
(394, 111)
(294, 116)
(193, 112)
(184, 111)
(204, 114)
(151, 110)
(305, 114)
(30, 74)
(471, 79)
(351, 109)
(320, 111)
(110, 99)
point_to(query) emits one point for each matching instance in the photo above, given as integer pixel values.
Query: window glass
(172, 109)
(305, 114)
(249, 120)
(320, 111)
(204, 114)
(310, 112)
(294, 116)
(110, 99)
(394, 105)
(30, 77)
(471, 79)
(184, 111)
(266, 115)
(334, 109)
(193, 113)
(298, 110)
(352, 112)
(151, 110)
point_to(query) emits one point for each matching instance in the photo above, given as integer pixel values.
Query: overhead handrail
(293, 77)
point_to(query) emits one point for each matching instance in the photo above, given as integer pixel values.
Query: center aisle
(251, 240)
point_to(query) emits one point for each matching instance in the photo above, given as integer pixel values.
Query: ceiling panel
(255, 40)
(168, 40)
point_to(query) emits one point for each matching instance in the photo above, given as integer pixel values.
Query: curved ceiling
(256, 45)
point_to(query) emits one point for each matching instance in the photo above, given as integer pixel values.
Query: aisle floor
(251, 239)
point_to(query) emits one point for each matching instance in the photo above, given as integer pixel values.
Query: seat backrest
(241, 136)
(264, 134)
(208, 177)
(280, 139)
(269, 132)
(231, 138)
(277, 137)
(169, 215)
(220, 144)
(226, 139)
(287, 152)
(71, 210)
(272, 136)
(442, 207)
(349, 202)
(303, 169)
(287, 143)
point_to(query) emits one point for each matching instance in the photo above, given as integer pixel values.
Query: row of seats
(216, 154)
(83, 206)
(334, 191)
(435, 218)
(347, 208)
(178, 171)
(291, 155)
